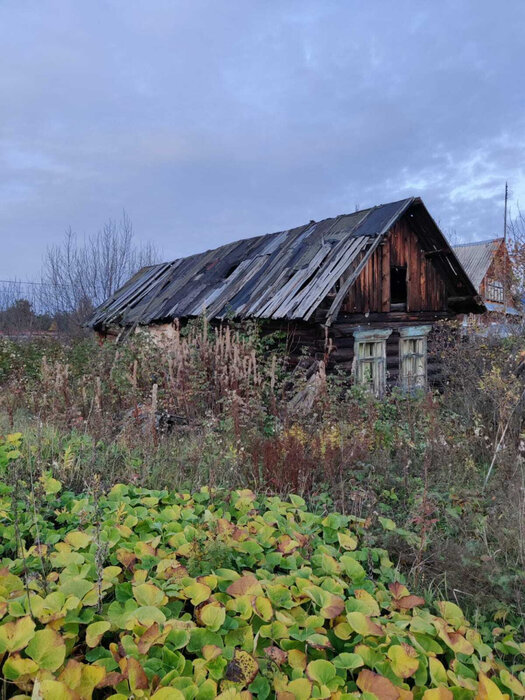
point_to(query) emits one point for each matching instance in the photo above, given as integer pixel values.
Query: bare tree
(516, 247)
(10, 292)
(81, 273)
(19, 309)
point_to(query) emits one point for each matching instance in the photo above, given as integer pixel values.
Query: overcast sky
(211, 120)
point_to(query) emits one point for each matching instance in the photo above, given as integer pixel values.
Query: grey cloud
(209, 121)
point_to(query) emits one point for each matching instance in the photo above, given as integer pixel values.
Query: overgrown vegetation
(155, 594)
(213, 409)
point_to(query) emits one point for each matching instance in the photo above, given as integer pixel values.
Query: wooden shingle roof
(283, 275)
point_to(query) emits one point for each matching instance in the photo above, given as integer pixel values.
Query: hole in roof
(232, 269)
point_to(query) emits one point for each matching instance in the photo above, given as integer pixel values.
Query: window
(370, 359)
(413, 357)
(398, 288)
(494, 290)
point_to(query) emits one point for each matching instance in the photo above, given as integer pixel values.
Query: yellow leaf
(82, 678)
(78, 539)
(167, 694)
(95, 631)
(512, 683)
(263, 608)
(197, 592)
(52, 690)
(372, 608)
(16, 635)
(488, 690)
(297, 659)
(343, 630)
(136, 675)
(362, 624)
(211, 651)
(438, 694)
(149, 594)
(47, 648)
(15, 667)
(301, 688)
(451, 612)
(211, 615)
(438, 673)
(346, 541)
(403, 664)
(455, 640)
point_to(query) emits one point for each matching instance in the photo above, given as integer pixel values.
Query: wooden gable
(499, 271)
(426, 289)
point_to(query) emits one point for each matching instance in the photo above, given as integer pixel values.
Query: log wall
(336, 347)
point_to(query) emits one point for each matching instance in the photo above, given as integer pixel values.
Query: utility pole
(505, 271)
(505, 214)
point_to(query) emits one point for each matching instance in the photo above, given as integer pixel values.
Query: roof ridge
(469, 243)
(288, 230)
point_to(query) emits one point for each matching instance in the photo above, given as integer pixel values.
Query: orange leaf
(398, 590)
(278, 656)
(111, 680)
(151, 636)
(246, 585)
(409, 601)
(135, 673)
(381, 687)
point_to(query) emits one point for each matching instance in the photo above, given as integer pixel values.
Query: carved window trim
(413, 357)
(370, 359)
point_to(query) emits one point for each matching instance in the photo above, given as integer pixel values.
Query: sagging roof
(283, 275)
(476, 258)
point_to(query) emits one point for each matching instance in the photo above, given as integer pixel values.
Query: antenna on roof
(505, 214)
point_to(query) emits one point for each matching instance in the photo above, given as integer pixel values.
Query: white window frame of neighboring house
(413, 357)
(370, 359)
(494, 290)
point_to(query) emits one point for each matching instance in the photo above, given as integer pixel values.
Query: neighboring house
(361, 291)
(488, 265)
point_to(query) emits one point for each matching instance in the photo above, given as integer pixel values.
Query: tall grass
(213, 406)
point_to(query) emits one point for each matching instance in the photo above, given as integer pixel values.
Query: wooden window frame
(494, 290)
(413, 352)
(370, 359)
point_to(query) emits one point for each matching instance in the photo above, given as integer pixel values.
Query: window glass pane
(413, 362)
(370, 364)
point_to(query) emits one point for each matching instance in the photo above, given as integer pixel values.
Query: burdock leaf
(47, 648)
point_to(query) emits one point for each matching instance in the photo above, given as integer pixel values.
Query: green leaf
(47, 648)
(321, 671)
(353, 568)
(348, 661)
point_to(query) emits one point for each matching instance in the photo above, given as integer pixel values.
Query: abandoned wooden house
(361, 291)
(489, 267)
